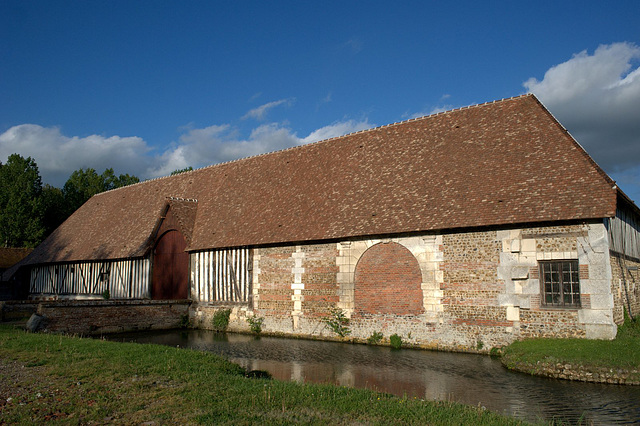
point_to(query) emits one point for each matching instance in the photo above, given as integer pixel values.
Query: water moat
(469, 379)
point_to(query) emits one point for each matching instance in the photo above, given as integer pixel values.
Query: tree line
(30, 211)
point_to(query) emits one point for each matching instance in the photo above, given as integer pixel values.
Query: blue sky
(147, 87)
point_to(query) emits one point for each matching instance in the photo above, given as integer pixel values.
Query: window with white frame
(560, 283)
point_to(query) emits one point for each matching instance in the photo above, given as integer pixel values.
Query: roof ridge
(191, 200)
(397, 123)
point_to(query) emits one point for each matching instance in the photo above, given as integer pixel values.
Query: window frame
(565, 268)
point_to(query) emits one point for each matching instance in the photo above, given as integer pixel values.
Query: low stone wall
(201, 316)
(17, 310)
(90, 317)
(576, 372)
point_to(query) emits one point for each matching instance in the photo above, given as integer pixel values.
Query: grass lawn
(622, 353)
(71, 380)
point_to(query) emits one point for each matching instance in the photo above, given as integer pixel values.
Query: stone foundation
(576, 372)
(17, 310)
(91, 317)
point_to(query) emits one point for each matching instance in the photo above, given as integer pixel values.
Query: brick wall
(295, 280)
(319, 279)
(388, 281)
(274, 278)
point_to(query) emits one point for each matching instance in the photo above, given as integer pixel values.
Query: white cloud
(354, 45)
(338, 128)
(260, 112)
(597, 98)
(442, 107)
(429, 111)
(58, 155)
(217, 144)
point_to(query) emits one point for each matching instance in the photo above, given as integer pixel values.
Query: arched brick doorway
(388, 280)
(170, 267)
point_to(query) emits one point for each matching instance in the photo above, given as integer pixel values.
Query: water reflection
(470, 379)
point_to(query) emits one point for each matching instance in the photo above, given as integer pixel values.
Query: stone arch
(388, 280)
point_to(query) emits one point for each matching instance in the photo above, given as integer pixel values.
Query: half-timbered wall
(221, 275)
(123, 279)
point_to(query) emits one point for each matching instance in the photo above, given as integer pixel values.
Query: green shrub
(375, 338)
(338, 322)
(220, 320)
(495, 352)
(396, 341)
(106, 295)
(255, 323)
(630, 329)
(184, 321)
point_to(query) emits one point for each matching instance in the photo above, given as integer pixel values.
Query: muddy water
(469, 379)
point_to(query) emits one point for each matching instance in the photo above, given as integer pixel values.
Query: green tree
(85, 183)
(21, 207)
(177, 172)
(55, 211)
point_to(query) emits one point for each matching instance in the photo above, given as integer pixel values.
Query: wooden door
(170, 267)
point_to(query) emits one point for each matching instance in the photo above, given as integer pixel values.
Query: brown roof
(504, 162)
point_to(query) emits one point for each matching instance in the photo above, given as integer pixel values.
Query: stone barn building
(462, 230)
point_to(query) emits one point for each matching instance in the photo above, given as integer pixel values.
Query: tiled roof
(499, 163)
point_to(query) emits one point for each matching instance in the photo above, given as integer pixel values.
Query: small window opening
(560, 283)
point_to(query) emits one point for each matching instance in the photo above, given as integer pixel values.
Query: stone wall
(471, 288)
(523, 249)
(201, 316)
(17, 310)
(112, 316)
(456, 291)
(625, 286)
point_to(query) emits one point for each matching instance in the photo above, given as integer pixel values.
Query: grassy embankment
(72, 380)
(621, 354)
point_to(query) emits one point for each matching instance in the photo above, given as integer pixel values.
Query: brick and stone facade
(467, 291)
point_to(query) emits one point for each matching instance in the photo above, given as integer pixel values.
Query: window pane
(560, 283)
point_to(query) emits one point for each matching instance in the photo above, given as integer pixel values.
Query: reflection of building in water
(469, 379)
(297, 371)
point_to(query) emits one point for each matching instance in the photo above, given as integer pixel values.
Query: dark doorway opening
(170, 267)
